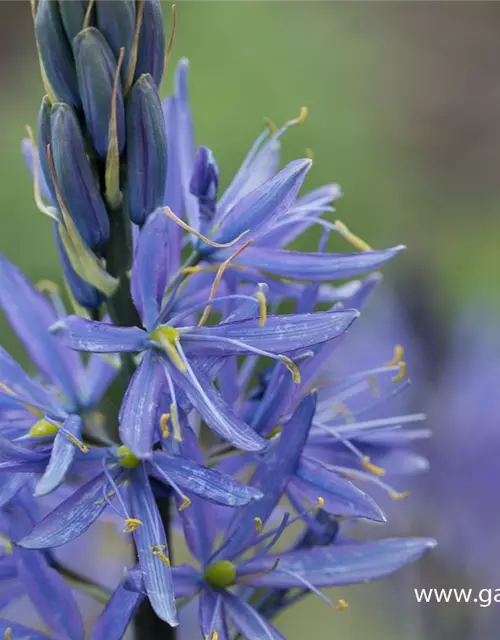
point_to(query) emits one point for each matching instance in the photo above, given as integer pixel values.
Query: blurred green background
(404, 113)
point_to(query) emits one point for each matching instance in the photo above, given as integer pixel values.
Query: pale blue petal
(98, 337)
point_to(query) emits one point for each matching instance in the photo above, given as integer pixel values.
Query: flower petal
(61, 457)
(74, 515)
(335, 565)
(280, 334)
(215, 411)
(149, 274)
(10, 485)
(14, 377)
(203, 481)
(248, 621)
(299, 265)
(264, 204)
(211, 624)
(98, 337)
(271, 476)
(117, 614)
(31, 316)
(151, 541)
(139, 411)
(20, 631)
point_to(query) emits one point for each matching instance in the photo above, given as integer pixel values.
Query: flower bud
(73, 13)
(43, 139)
(55, 52)
(96, 69)
(84, 293)
(75, 177)
(116, 22)
(205, 182)
(151, 49)
(146, 149)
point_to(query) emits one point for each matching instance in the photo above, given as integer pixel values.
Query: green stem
(96, 591)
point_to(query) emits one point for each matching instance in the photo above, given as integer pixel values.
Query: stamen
(308, 585)
(263, 307)
(8, 633)
(399, 495)
(320, 503)
(171, 38)
(168, 337)
(300, 120)
(219, 245)
(356, 241)
(399, 353)
(158, 551)
(341, 605)
(88, 13)
(83, 447)
(28, 406)
(309, 154)
(135, 47)
(354, 474)
(258, 524)
(402, 372)
(273, 129)
(112, 173)
(218, 277)
(175, 423)
(292, 367)
(164, 424)
(131, 525)
(185, 503)
(258, 574)
(369, 466)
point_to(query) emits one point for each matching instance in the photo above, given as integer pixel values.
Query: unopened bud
(151, 50)
(116, 22)
(55, 52)
(205, 182)
(44, 139)
(75, 177)
(84, 293)
(146, 149)
(73, 13)
(96, 69)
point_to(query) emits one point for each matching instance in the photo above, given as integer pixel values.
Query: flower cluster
(228, 409)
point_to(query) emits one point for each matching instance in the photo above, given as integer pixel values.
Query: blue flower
(178, 356)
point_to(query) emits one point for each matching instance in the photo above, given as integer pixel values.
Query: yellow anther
(341, 604)
(109, 495)
(126, 458)
(6, 544)
(175, 423)
(356, 241)
(220, 245)
(215, 636)
(131, 525)
(83, 447)
(320, 503)
(158, 551)
(258, 524)
(47, 286)
(218, 277)
(263, 308)
(373, 468)
(309, 154)
(301, 119)
(43, 428)
(292, 367)
(164, 425)
(189, 270)
(399, 353)
(397, 495)
(273, 129)
(168, 337)
(8, 633)
(185, 503)
(402, 372)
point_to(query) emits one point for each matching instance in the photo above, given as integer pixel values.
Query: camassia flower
(176, 356)
(42, 419)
